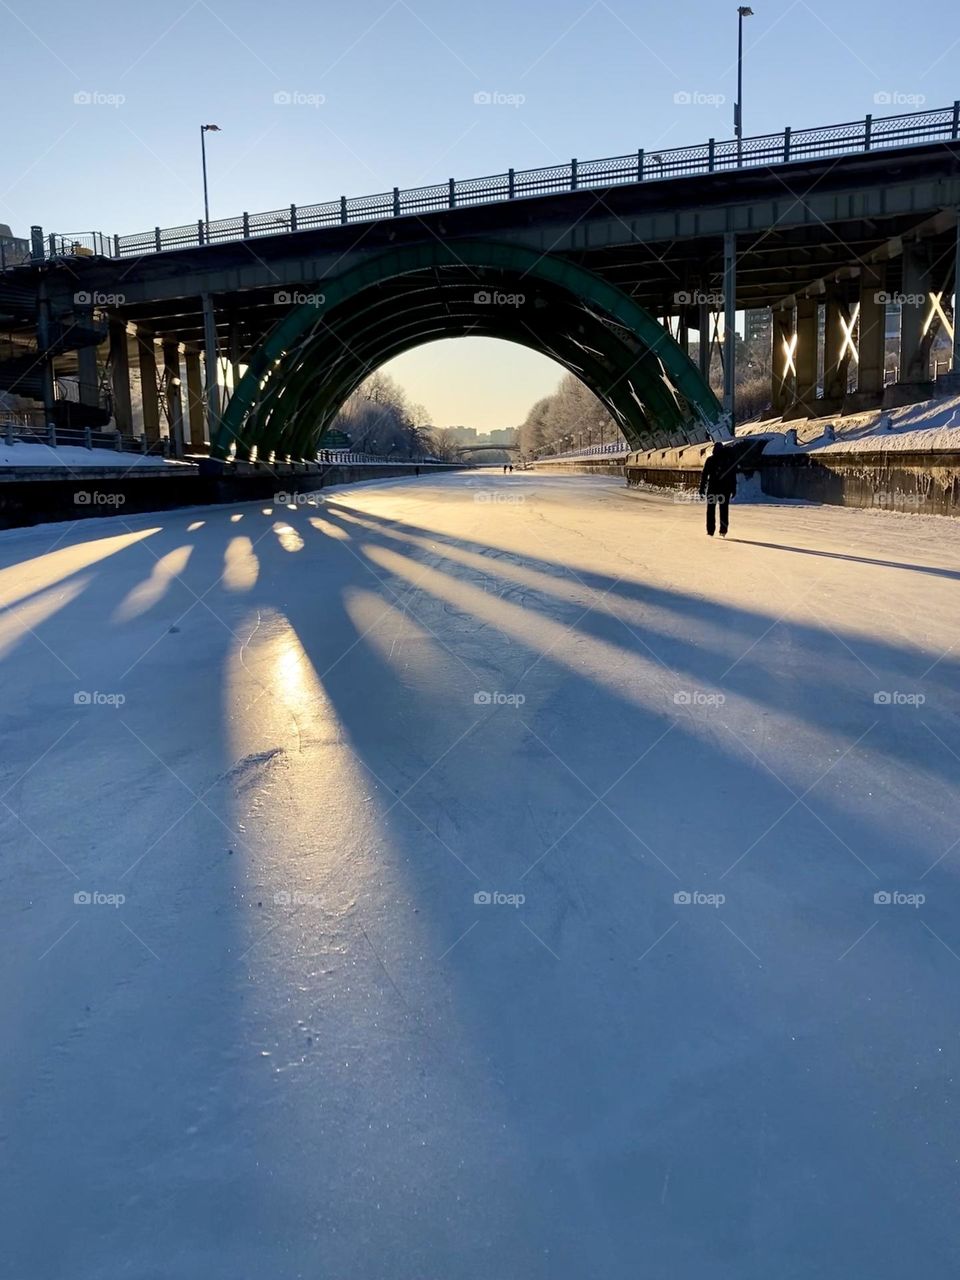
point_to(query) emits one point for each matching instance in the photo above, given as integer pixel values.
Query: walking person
(718, 484)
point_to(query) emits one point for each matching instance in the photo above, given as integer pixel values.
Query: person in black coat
(718, 484)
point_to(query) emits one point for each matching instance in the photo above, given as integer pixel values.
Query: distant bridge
(487, 448)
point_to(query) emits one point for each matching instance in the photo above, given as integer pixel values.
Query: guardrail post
(143, 443)
(51, 435)
(293, 217)
(640, 165)
(786, 144)
(396, 202)
(53, 245)
(118, 441)
(87, 438)
(511, 184)
(8, 436)
(246, 226)
(116, 246)
(157, 240)
(452, 198)
(712, 153)
(867, 131)
(573, 174)
(343, 210)
(956, 119)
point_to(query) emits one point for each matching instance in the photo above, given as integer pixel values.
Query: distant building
(758, 325)
(504, 436)
(12, 249)
(462, 435)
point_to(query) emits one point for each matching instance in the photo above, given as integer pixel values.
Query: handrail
(859, 136)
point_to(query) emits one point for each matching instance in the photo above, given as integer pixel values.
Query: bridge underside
(331, 340)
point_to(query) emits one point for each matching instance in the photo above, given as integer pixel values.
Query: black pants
(718, 502)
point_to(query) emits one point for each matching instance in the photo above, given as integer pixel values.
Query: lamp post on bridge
(744, 11)
(204, 130)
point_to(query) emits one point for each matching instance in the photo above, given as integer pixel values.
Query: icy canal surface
(499, 863)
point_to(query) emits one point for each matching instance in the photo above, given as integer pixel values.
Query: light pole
(204, 130)
(744, 12)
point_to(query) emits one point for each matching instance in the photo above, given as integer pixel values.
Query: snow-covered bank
(42, 455)
(323, 752)
(932, 425)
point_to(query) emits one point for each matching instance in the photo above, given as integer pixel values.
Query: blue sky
(384, 95)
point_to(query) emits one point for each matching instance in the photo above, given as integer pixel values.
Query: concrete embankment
(926, 482)
(52, 494)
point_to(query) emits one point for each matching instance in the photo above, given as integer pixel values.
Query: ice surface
(300, 1048)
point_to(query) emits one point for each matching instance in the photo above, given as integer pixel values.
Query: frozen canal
(704, 1028)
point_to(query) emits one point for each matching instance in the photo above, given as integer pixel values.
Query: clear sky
(382, 94)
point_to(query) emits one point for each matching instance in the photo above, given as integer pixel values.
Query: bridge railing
(859, 136)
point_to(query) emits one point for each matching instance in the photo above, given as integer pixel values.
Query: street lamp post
(204, 130)
(744, 11)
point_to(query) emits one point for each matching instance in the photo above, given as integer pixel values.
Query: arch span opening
(323, 349)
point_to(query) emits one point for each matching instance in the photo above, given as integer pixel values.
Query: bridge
(249, 333)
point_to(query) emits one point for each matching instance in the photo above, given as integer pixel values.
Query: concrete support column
(120, 376)
(705, 340)
(43, 342)
(914, 346)
(88, 377)
(836, 353)
(873, 335)
(806, 358)
(147, 358)
(210, 364)
(955, 370)
(781, 362)
(173, 393)
(195, 400)
(730, 325)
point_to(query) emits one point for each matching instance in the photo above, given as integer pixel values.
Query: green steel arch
(310, 361)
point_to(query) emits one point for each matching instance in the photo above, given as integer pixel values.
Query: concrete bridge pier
(88, 375)
(836, 353)
(149, 399)
(195, 411)
(172, 388)
(118, 360)
(806, 359)
(783, 389)
(211, 363)
(915, 334)
(872, 340)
